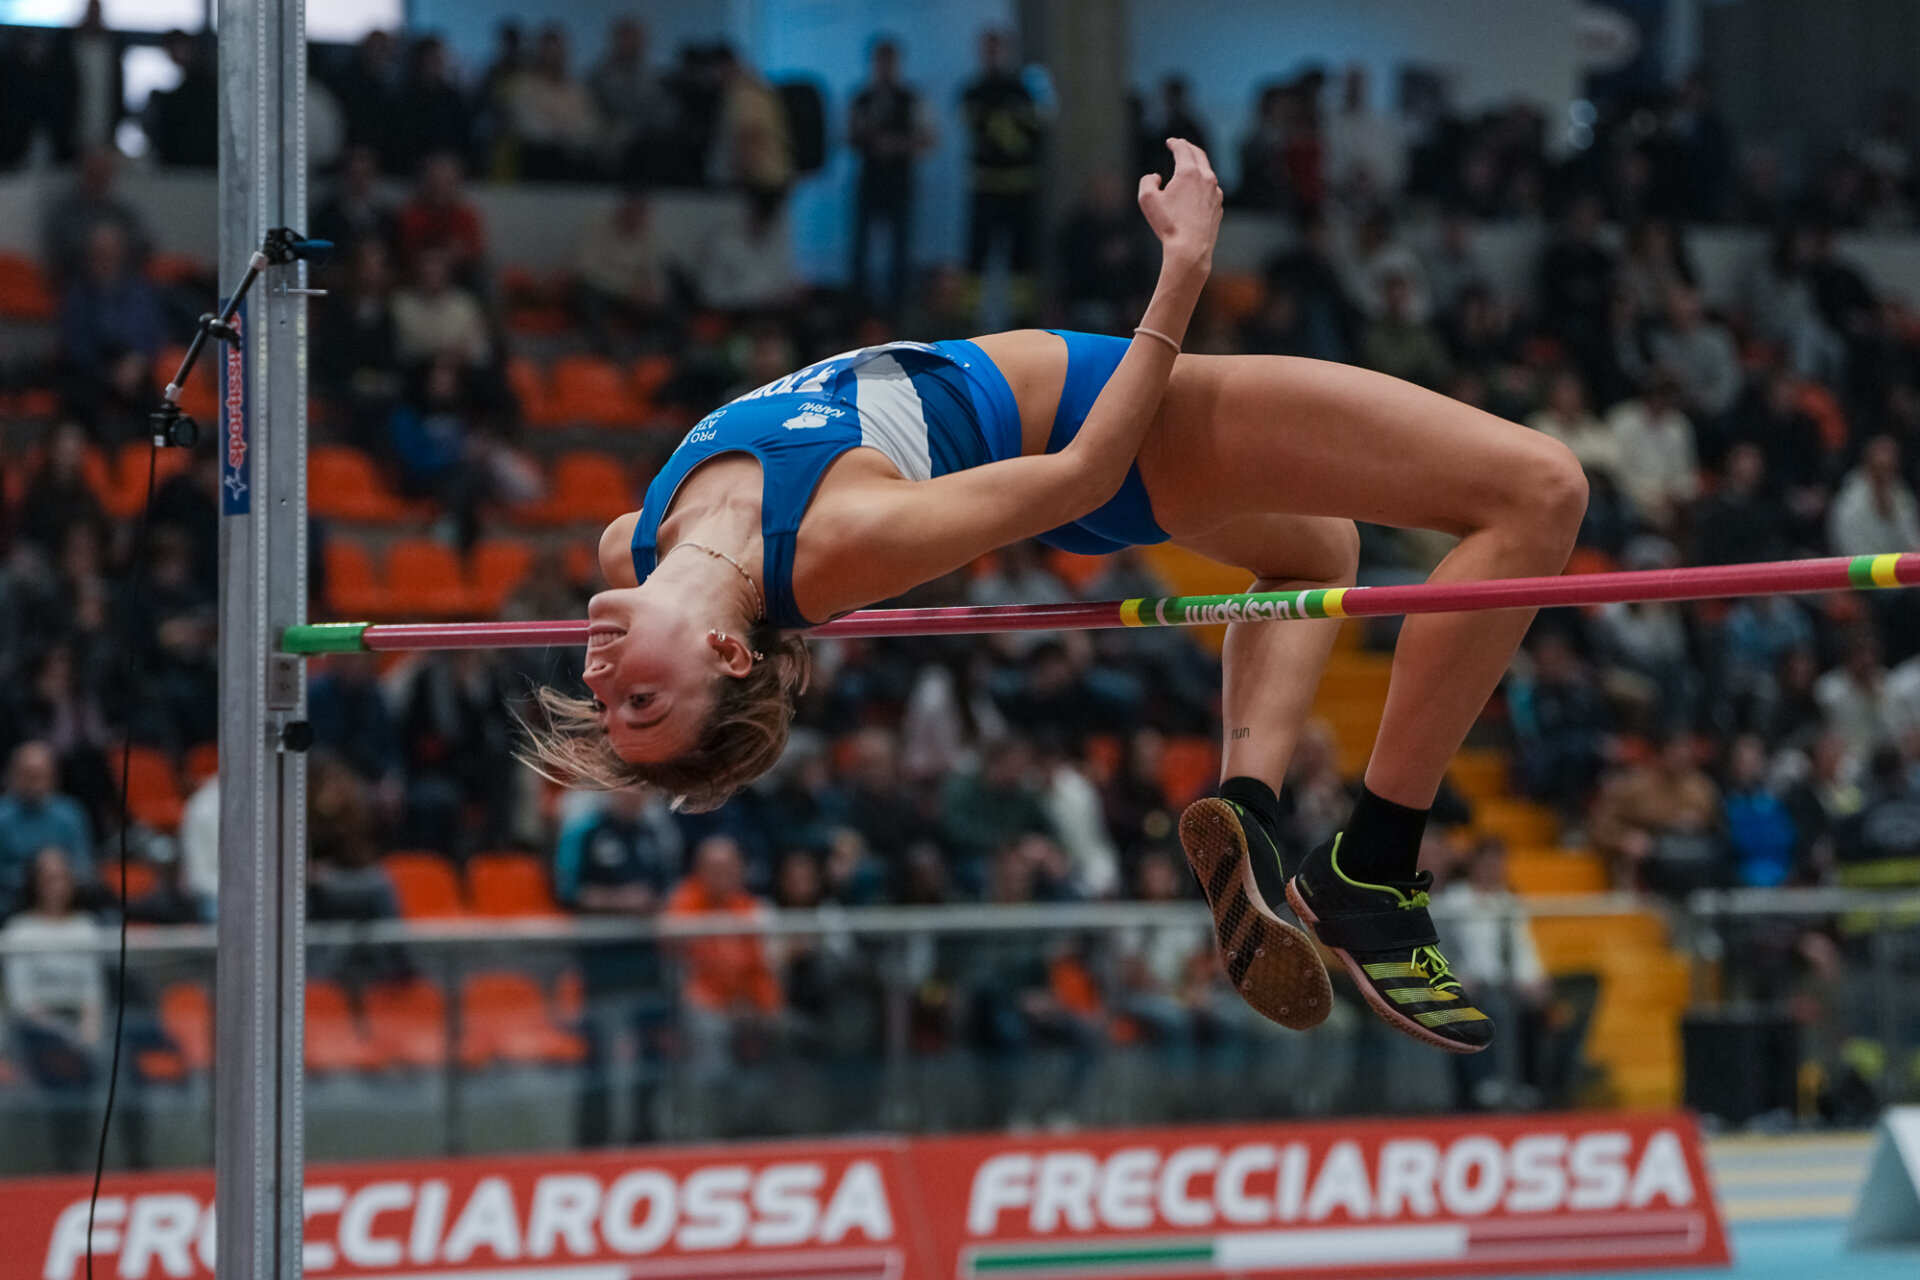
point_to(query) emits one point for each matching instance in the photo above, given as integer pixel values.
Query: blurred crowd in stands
(1760, 742)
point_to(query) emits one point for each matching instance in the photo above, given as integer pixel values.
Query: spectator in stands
(623, 272)
(619, 859)
(635, 108)
(35, 816)
(748, 264)
(1575, 285)
(110, 323)
(54, 705)
(1500, 965)
(439, 216)
(554, 123)
(1561, 725)
(1176, 118)
(353, 213)
(431, 114)
(86, 93)
(1743, 519)
(356, 346)
(1702, 356)
(729, 993)
(458, 738)
(1366, 160)
(1315, 801)
(891, 815)
(58, 496)
(57, 998)
(1138, 811)
(1783, 308)
(345, 880)
(176, 622)
(1798, 461)
(1157, 967)
(1658, 822)
(1329, 320)
(369, 90)
(1755, 642)
(1564, 415)
(1875, 511)
(1878, 847)
(88, 203)
(1401, 345)
(492, 99)
(888, 130)
(1454, 266)
(985, 809)
(1853, 697)
(752, 144)
(1379, 255)
(1659, 466)
(1762, 835)
(1653, 263)
(434, 317)
(1072, 804)
(183, 123)
(1005, 132)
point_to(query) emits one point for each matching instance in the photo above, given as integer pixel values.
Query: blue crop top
(912, 401)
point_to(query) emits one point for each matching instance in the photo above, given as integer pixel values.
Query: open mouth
(602, 634)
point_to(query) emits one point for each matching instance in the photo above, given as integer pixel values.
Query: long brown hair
(742, 740)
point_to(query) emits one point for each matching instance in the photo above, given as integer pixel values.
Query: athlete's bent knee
(1549, 492)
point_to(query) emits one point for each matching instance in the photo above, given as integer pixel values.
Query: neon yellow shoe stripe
(1418, 995)
(1392, 969)
(1441, 1017)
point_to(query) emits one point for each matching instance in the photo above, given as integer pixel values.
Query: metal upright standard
(261, 437)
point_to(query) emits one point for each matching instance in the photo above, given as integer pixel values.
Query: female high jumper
(860, 477)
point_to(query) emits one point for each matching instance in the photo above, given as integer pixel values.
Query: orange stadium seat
(186, 1015)
(1189, 767)
(129, 479)
(1235, 295)
(343, 483)
(354, 589)
(426, 884)
(200, 398)
(650, 374)
(203, 761)
(334, 1041)
(591, 389)
(530, 387)
(504, 1018)
(24, 291)
(142, 879)
(425, 577)
(570, 996)
(153, 788)
(176, 268)
(407, 1021)
(495, 570)
(509, 884)
(586, 487)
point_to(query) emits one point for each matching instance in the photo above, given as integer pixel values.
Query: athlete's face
(652, 671)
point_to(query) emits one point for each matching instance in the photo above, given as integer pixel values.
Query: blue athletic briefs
(931, 409)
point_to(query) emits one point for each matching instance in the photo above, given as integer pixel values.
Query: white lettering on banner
(1063, 1191)
(1662, 1172)
(358, 1244)
(787, 1202)
(715, 1217)
(1539, 1177)
(661, 1195)
(318, 1202)
(858, 1204)
(68, 1246)
(429, 1220)
(487, 1222)
(564, 1206)
(1470, 1176)
(1176, 1205)
(1236, 1205)
(1598, 1161)
(160, 1229)
(1408, 1168)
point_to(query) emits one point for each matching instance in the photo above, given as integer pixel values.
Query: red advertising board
(1373, 1198)
(1429, 1197)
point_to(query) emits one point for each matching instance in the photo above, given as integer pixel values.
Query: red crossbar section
(1782, 577)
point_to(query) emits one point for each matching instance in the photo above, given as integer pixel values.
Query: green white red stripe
(1778, 577)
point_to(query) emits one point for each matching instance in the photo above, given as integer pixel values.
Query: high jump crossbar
(1778, 577)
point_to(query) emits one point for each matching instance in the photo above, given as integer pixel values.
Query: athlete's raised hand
(1185, 213)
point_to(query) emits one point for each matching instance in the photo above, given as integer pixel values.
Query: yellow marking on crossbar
(1130, 613)
(1332, 602)
(1883, 570)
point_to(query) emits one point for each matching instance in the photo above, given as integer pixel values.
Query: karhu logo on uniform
(805, 421)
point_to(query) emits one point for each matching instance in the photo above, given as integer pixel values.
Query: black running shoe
(1273, 965)
(1385, 937)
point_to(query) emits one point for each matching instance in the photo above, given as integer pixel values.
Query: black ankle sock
(1271, 863)
(1382, 840)
(1256, 796)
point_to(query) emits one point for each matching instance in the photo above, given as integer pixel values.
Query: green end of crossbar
(324, 637)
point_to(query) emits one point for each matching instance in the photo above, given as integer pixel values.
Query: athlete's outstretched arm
(910, 533)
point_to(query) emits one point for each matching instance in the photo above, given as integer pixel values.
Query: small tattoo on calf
(1242, 733)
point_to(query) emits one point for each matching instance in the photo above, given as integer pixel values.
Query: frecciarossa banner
(1360, 1199)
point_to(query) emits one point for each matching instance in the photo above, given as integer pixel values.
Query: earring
(755, 654)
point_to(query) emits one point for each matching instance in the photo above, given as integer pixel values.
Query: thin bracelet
(1155, 333)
